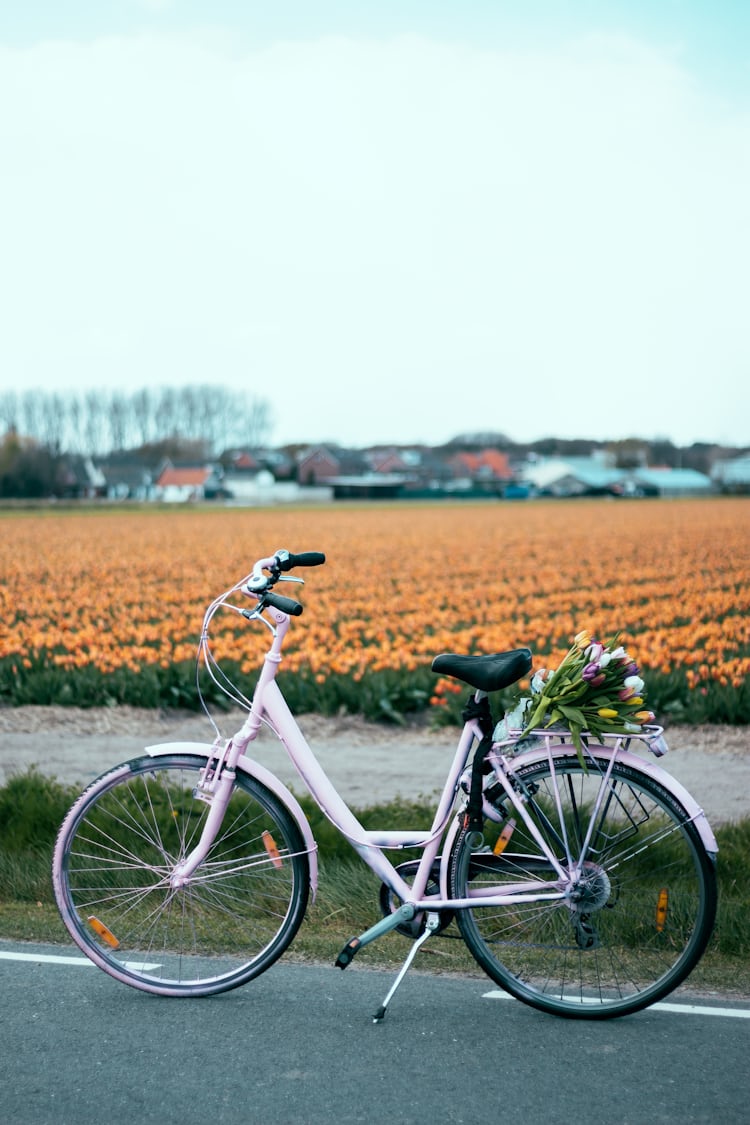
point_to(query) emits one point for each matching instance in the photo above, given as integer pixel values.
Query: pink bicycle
(583, 889)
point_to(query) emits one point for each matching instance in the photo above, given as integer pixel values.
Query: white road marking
(680, 1009)
(46, 958)
(58, 959)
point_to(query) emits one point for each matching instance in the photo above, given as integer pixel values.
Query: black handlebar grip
(286, 605)
(307, 558)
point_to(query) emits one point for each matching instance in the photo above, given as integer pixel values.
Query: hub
(592, 891)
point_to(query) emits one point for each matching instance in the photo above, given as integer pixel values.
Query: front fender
(265, 777)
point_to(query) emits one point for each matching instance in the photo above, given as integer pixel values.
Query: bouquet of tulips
(596, 689)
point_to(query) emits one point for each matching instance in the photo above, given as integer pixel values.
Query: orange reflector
(661, 909)
(101, 931)
(505, 835)
(271, 848)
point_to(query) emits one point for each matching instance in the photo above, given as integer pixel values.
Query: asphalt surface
(298, 1045)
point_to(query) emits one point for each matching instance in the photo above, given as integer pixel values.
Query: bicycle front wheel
(237, 913)
(640, 891)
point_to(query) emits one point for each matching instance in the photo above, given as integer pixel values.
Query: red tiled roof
(497, 461)
(245, 461)
(184, 478)
(489, 459)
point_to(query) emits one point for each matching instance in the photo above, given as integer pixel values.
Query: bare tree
(9, 411)
(51, 421)
(120, 415)
(216, 412)
(142, 405)
(29, 414)
(75, 412)
(192, 410)
(166, 413)
(96, 423)
(258, 423)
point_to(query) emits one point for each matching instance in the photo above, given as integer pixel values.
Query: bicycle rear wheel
(639, 916)
(236, 915)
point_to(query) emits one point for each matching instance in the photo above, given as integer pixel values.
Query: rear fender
(656, 773)
(627, 758)
(265, 777)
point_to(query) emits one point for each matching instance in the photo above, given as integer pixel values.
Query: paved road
(298, 1045)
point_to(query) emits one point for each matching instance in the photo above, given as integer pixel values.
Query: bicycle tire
(644, 909)
(238, 912)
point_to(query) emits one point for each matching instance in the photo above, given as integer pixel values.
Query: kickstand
(432, 924)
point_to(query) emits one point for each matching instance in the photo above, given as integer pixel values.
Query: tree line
(95, 423)
(43, 431)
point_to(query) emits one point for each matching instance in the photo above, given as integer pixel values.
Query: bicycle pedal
(346, 955)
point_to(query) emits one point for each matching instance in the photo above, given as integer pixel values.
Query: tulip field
(105, 606)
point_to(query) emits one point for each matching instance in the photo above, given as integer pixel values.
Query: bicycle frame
(269, 707)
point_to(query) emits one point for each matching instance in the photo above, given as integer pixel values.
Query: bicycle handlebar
(260, 585)
(287, 560)
(286, 605)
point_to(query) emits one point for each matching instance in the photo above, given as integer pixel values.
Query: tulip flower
(644, 716)
(537, 681)
(583, 639)
(607, 713)
(591, 671)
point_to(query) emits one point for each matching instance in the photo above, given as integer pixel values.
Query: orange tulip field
(119, 593)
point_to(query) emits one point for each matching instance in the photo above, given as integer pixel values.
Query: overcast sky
(394, 221)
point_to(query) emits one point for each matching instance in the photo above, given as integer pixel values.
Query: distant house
(573, 476)
(317, 465)
(672, 482)
(81, 479)
(128, 479)
(321, 464)
(432, 473)
(732, 475)
(488, 471)
(277, 462)
(178, 485)
(389, 461)
(246, 462)
(248, 487)
(589, 476)
(489, 464)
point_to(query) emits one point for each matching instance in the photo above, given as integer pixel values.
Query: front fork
(215, 789)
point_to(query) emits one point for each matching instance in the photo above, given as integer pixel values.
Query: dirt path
(365, 761)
